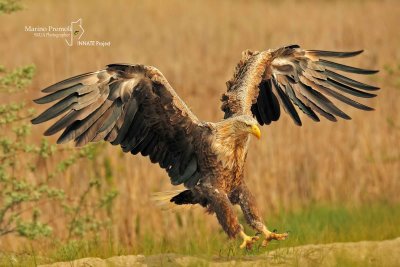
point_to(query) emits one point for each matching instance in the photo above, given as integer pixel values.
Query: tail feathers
(166, 200)
(184, 197)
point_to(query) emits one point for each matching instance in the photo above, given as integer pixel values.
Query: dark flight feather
(322, 53)
(345, 68)
(348, 81)
(298, 76)
(287, 104)
(122, 104)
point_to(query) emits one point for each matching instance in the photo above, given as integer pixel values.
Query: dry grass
(196, 44)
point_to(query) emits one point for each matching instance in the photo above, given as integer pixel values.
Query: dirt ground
(364, 253)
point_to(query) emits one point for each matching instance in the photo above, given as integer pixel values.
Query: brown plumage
(135, 107)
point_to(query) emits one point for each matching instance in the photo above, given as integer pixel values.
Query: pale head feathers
(237, 126)
(232, 138)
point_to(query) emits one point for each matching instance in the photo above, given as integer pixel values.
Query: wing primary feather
(310, 104)
(79, 127)
(323, 53)
(287, 104)
(320, 100)
(345, 68)
(308, 111)
(322, 112)
(91, 132)
(348, 81)
(80, 79)
(58, 94)
(62, 106)
(344, 99)
(347, 89)
(62, 123)
(74, 115)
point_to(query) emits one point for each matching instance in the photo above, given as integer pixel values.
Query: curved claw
(248, 241)
(273, 236)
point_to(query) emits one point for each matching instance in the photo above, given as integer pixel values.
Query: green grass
(324, 224)
(317, 224)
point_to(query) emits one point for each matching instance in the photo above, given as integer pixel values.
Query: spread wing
(289, 77)
(128, 105)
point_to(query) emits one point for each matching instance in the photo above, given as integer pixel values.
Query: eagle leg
(248, 205)
(218, 202)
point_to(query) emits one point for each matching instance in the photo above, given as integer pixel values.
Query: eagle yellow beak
(255, 131)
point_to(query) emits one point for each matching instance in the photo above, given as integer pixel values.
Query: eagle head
(237, 127)
(246, 124)
(232, 137)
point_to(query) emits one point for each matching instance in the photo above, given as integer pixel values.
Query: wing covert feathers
(128, 105)
(289, 77)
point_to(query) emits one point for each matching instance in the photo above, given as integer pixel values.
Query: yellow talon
(273, 236)
(248, 241)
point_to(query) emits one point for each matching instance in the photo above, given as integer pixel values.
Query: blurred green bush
(25, 185)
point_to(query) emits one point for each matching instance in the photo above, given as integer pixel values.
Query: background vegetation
(321, 181)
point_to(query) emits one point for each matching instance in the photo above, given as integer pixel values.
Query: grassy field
(315, 225)
(300, 175)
